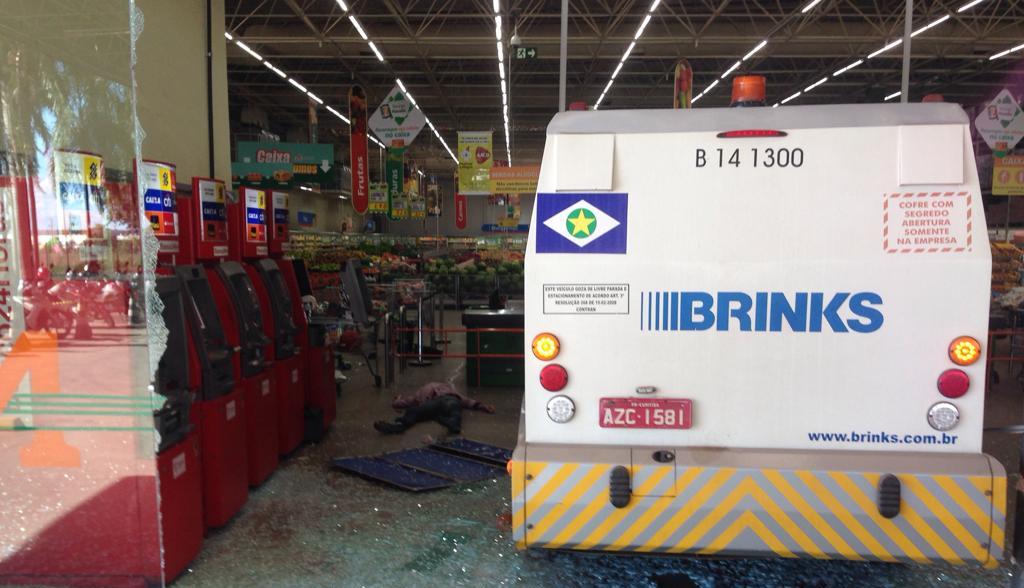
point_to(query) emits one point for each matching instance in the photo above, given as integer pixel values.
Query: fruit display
(478, 274)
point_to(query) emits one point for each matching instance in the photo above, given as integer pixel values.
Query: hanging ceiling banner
(682, 93)
(433, 197)
(1008, 175)
(460, 211)
(475, 162)
(519, 179)
(1001, 123)
(397, 120)
(394, 173)
(358, 150)
(378, 198)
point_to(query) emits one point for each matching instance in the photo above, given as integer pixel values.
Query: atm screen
(247, 298)
(302, 277)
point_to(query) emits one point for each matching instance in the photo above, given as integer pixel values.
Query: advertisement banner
(1001, 123)
(433, 198)
(1008, 175)
(394, 175)
(280, 205)
(397, 120)
(682, 93)
(476, 157)
(359, 150)
(306, 218)
(378, 198)
(460, 211)
(417, 207)
(282, 165)
(214, 211)
(79, 179)
(256, 216)
(157, 181)
(519, 179)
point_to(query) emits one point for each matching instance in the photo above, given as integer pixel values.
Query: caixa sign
(799, 312)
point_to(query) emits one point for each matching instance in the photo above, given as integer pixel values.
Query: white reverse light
(942, 416)
(561, 409)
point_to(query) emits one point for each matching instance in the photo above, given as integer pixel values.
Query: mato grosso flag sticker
(582, 223)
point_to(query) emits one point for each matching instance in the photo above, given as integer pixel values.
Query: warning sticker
(927, 222)
(586, 298)
(178, 466)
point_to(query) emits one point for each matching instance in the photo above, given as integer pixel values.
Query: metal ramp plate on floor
(391, 473)
(439, 466)
(445, 465)
(491, 454)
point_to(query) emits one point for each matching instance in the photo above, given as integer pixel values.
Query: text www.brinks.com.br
(891, 438)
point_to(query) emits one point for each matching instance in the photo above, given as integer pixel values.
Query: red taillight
(554, 377)
(954, 383)
(749, 133)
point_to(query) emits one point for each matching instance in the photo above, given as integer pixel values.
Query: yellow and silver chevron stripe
(740, 511)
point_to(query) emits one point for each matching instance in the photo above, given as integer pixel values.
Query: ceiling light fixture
(755, 50)
(930, 25)
(1007, 52)
(895, 43)
(248, 50)
(629, 50)
(359, 28)
(499, 45)
(848, 67)
(810, 6)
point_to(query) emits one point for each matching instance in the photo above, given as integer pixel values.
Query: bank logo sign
(582, 223)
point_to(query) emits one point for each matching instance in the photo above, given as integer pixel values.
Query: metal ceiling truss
(443, 50)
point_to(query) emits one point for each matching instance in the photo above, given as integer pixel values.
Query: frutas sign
(801, 312)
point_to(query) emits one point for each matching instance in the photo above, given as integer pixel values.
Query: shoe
(388, 428)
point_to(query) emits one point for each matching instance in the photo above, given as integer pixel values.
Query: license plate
(645, 413)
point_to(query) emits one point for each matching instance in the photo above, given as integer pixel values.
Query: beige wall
(330, 211)
(171, 86)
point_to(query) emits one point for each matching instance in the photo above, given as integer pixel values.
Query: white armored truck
(759, 331)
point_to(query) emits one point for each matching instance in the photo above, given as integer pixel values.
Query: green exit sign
(526, 53)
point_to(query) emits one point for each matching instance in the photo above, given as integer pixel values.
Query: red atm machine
(220, 411)
(316, 357)
(234, 298)
(217, 415)
(178, 455)
(250, 245)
